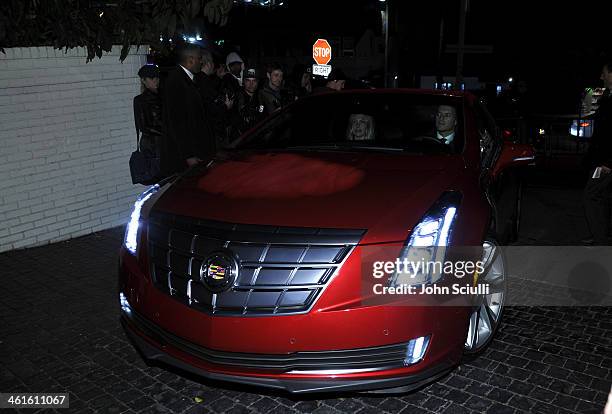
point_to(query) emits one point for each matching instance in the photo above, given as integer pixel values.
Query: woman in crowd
(148, 119)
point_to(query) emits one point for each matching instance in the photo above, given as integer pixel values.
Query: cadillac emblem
(219, 271)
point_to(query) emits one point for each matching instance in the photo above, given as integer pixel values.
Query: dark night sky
(551, 44)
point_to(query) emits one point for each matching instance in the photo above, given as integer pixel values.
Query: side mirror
(513, 155)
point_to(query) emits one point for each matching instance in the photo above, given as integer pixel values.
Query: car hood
(384, 193)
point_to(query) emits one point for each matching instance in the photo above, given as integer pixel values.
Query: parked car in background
(255, 266)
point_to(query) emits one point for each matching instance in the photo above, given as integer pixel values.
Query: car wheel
(486, 316)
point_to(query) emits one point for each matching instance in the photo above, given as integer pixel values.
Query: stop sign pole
(321, 54)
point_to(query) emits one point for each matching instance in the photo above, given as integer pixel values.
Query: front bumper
(156, 344)
(217, 346)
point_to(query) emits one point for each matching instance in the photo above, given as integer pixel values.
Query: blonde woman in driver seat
(360, 128)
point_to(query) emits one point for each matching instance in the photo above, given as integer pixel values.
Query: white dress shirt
(448, 139)
(187, 72)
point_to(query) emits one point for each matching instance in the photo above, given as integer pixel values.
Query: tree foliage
(98, 24)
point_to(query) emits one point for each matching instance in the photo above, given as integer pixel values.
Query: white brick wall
(66, 135)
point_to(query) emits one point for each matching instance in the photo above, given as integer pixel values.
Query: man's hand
(193, 161)
(229, 103)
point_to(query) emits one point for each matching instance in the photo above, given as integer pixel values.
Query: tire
(486, 315)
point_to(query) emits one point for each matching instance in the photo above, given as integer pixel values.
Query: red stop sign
(321, 52)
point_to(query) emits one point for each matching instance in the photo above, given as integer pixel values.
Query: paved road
(552, 211)
(59, 332)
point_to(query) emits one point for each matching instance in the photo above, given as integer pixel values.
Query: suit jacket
(210, 87)
(186, 126)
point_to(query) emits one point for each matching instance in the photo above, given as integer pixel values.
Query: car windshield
(398, 122)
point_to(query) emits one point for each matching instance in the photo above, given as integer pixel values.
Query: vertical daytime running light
(131, 232)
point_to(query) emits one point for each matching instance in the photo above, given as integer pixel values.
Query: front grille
(364, 359)
(283, 270)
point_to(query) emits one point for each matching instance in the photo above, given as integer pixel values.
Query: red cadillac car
(254, 267)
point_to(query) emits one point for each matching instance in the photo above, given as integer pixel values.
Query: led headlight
(125, 305)
(416, 350)
(131, 231)
(422, 258)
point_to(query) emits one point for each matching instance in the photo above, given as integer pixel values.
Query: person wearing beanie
(148, 121)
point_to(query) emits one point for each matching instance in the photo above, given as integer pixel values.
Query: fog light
(416, 350)
(125, 305)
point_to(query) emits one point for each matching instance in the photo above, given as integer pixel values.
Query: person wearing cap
(148, 117)
(248, 109)
(271, 94)
(335, 82)
(189, 135)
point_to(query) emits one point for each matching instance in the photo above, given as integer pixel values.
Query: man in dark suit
(598, 191)
(217, 103)
(189, 135)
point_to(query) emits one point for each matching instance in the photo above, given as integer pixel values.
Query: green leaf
(125, 49)
(70, 23)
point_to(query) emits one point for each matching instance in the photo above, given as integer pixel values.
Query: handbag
(144, 166)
